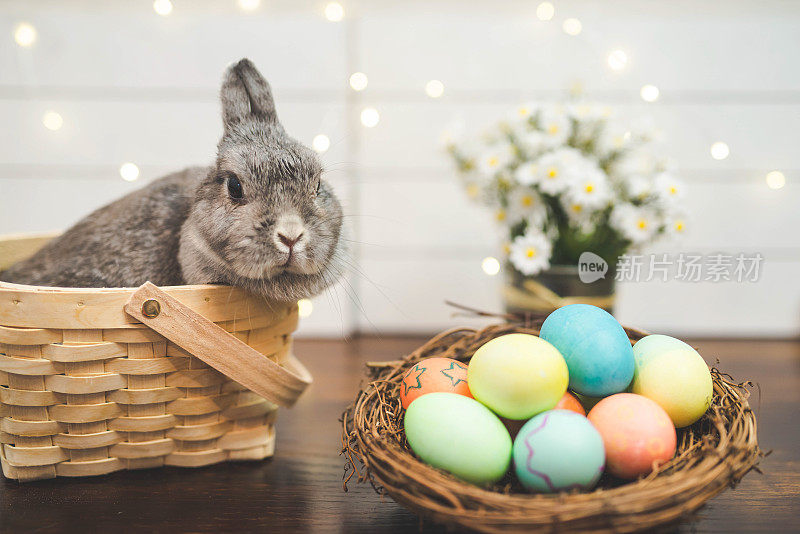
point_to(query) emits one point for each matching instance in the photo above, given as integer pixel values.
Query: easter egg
(636, 432)
(460, 435)
(568, 402)
(434, 374)
(518, 375)
(674, 375)
(558, 450)
(597, 350)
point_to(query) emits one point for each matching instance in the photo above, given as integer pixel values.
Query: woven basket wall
(86, 390)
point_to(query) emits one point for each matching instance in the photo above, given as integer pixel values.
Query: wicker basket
(713, 454)
(99, 380)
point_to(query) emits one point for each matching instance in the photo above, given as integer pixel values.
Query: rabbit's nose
(289, 241)
(289, 233)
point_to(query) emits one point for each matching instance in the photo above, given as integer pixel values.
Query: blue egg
(598, 353)
(559, 450)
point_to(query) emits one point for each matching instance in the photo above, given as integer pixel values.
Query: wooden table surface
(300, 489)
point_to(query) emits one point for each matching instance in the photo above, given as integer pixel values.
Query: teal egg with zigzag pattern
(558, 450)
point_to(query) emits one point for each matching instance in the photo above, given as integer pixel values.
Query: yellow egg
(674, 375)
(518, 375)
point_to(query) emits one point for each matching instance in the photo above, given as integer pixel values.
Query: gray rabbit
(261, 218)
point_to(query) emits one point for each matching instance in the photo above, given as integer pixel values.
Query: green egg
(459, 435)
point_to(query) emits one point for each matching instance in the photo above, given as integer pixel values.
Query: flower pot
(558, 286)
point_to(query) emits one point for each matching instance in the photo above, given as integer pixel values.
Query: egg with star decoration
(434, 375)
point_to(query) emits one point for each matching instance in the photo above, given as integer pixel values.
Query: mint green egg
(459, 435)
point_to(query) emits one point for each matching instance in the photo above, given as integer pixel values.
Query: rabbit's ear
(246, 94)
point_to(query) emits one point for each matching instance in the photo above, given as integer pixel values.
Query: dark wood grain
(300, 489)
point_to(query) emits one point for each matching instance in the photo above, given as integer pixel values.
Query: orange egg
(568, 402)
(434, 375)
(636, 431)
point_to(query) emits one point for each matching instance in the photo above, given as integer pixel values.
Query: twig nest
(712, 454)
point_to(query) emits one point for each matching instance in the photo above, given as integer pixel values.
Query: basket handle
(218, 348)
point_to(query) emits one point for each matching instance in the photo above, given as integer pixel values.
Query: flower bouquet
(563, 180)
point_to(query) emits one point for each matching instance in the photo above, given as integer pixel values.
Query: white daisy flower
(612, 138)
(527, 173)
(579, 216)
(556, 170)
(530, 253)
(638, 224)
(525, 203)
(668, 188)
(526, 110)
(637, 186)
(675, 225)
(590, 189)
(496, 158)
(475, 185)
(500, 215)
(532, 142)
(505, 247)
(555, 124)
(520, 120)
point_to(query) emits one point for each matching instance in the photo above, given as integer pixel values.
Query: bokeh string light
(370, 117)
(249, 5)
(24, 34)
(434, 88)
(649, 93)
(545, 11)
(304, 307)
(162, 7)
(334, 12)
(617, 60)
(490, 266)
(129, 171)
(720, 150)
(358, 81)
(52, 120)
(775, 180)
(321, 143)
(572, 26)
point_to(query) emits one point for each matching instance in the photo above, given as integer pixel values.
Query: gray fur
(186, 229)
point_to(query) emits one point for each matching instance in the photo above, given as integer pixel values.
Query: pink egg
(636, 433)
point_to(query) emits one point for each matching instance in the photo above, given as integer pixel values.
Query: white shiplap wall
(134, 86)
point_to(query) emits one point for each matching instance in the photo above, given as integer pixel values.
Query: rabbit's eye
(235, 188)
